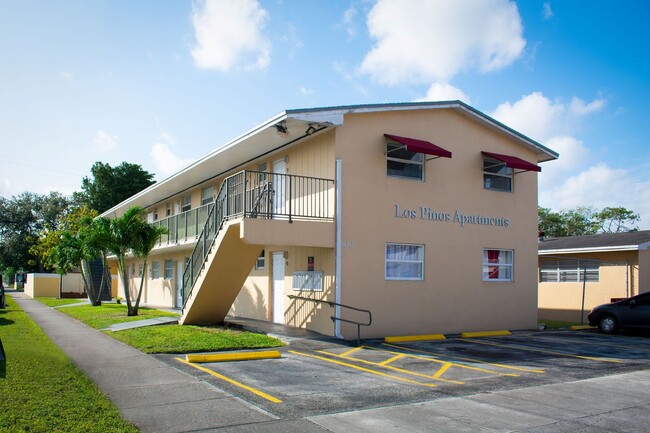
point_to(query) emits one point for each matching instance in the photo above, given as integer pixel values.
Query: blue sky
(163, 83)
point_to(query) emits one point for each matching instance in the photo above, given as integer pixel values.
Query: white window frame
(392, 146)
(169, 269)
(260, 263)
(155, 270)
(501, 265)
(186, 203)
(509, 174)
(420, 261)
(207, 200)
(569, 271)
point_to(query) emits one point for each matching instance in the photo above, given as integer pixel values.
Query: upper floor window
(496, 175)
(207, 195)
(168, 211)
(497, 265)
(402, 163)
(569, 271)
(187, 203)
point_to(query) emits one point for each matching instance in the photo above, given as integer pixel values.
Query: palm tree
(146, 238)
(130, 233)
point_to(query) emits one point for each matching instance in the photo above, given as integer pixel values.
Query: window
(207, 195)
(402, 163)
(497, 265)
(155, 270)
(569, 271)
(168, 212)
(155, 214)
(187, 203)
(261, 261)
(262, 172)
(496, 175)
(140, 270)
(169, 269)
(404, 262)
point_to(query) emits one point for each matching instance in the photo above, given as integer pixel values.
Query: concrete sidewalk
(159, 398)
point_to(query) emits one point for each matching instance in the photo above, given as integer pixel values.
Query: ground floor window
(404, 262)
(155, 270)
(497, 265)
(569, 271)
(261, 261)
(169, 269)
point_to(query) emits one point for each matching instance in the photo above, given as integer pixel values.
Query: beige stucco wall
(618, 278)
(644, 270)
(43, 285)
(452, 297)
(72, 283)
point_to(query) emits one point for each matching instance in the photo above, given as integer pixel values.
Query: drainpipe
(337, 277)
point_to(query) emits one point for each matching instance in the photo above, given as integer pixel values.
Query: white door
(179, 284)
(279, 187)
(278, 287)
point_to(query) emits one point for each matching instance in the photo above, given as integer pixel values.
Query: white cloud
(534, 115)
(5, 187)
(164, 160)
(304, 91)
(443, 91)
(348, 21)
(229, 34)
(425, 41)
(601, 186)
(104, 142)
(580, 108)
(547, 12)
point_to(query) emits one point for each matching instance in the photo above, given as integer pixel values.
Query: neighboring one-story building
(423, 214)
(604, 267)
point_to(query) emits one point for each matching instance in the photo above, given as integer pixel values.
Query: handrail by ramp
(340, 319)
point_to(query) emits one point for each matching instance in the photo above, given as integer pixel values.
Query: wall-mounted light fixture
(310, 130)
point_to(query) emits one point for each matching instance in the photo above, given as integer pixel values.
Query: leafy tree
(22, 218)
(112, 185)
(586, 221)
(616, 220)
(129, 233)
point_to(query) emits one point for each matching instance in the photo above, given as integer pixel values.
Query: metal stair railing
(340, 319)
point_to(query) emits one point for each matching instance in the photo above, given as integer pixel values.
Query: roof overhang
(610, 249)
(265, 139)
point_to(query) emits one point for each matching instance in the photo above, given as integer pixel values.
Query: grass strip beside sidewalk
(168, 338)
(43, 391)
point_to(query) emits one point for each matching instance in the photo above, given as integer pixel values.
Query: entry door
(278, 287)
(179, 284)
(279, 187)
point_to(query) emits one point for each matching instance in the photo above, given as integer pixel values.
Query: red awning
(514, 162)
(420, 146)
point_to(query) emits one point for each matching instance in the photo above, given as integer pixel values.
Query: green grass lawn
(55, 302)
(557, 324)
(167, 338)
(41, 390)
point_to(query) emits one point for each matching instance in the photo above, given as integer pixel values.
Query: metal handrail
(340, 319)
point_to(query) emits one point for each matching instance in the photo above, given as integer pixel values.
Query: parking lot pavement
(318, 378)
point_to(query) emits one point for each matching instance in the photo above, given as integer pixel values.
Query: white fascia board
(589, 250)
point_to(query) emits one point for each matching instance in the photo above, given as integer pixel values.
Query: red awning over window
(514, 162)
(420, 146)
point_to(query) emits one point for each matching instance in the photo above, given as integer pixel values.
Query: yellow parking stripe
(442, 370)
(552, 352)
(352, 350)
(461, 358)
(454, 364)
(390, 367)
(389, 360)
(234, 382)
(356, 367)
(591, 342)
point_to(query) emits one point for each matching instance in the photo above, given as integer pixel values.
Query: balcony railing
(254, 194)
(183, 227)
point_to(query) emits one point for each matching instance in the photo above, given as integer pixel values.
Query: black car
(632, 312)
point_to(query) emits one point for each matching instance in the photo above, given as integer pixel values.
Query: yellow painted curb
(484, 334)
(238, 356)
(407, 338)
(580, 327)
